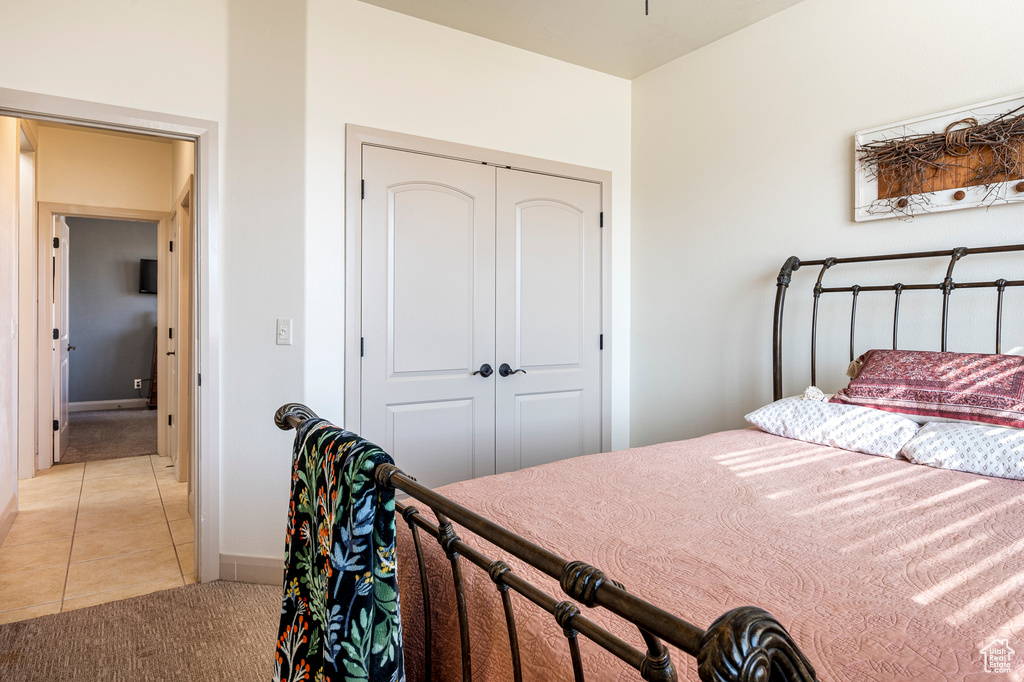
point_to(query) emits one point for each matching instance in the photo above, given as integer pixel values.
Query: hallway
(95, 532)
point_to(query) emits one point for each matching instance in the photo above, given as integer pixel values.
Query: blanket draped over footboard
(340, 617)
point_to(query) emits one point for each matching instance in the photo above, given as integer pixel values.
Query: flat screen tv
(147, 276)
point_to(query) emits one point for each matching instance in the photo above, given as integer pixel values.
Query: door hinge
(602, 220)
(56, 334)
(170, 332)
(362, 346)
(168, 420)
(56, 242)
(56, 425)
(200, 377)
(601, 342)
(170, 245)
(362, 189)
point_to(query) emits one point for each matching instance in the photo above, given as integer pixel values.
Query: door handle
(170, 352)
(484, 371)
(505, 370)
(71, 348)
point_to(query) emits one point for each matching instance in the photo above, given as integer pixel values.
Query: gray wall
(112, 325)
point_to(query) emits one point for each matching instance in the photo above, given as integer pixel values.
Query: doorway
(111, 329)
(202, 353)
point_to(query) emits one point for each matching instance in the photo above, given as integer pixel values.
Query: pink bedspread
(880, 569)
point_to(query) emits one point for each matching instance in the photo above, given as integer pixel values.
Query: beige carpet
(110, 434)
(199, 633)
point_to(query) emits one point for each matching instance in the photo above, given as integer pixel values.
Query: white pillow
(975, 448)
(841, 426)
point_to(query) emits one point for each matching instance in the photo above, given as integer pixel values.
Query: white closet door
(428, 313)
(548, 306)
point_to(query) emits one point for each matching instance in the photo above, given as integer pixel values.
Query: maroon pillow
(963, 386)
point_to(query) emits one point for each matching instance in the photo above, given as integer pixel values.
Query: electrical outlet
(138, 383)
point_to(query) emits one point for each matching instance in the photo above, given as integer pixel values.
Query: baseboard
(7, 517)
(90, 405)
(252, 569)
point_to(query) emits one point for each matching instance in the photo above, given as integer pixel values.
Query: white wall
(368, 66)
(264, 270)
(9, 161)
(373, 67)
(743, 155)
(282, 82)
(167, 57)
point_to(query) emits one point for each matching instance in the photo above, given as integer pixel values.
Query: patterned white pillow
(841, 426)
(975, 448)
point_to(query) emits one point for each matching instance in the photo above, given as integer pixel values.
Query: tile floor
(95, 532)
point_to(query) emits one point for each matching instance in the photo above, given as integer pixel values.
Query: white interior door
(172, 345)
(548, 264)
(428, 313)
(62, 343)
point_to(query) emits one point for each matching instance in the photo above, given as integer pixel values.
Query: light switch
(284, 332)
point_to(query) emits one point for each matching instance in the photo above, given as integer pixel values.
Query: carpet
(110, 434)
(217, 631)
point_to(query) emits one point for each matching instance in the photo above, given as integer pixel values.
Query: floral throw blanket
(340, 619)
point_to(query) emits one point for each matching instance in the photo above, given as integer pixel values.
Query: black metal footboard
(743, 645)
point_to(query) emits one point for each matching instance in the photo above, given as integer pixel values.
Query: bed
(850, 552)
(867, 567)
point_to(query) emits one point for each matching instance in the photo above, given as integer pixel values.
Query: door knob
(505, 370)
(71, 348)
(170, 352)
(484, 371)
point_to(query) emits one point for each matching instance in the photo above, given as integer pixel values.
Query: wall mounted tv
(147, 276)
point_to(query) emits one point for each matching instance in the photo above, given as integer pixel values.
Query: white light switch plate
(284, 331)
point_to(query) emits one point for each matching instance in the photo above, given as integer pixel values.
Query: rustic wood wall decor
(964, 158)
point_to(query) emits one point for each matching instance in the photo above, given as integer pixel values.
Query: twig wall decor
(969, 157)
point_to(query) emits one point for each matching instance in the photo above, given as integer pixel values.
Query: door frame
(186, 263)
(27, 354)
(206, 232)
(47, 212)
(357, 136)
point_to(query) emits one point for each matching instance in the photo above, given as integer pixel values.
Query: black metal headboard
(946, 287)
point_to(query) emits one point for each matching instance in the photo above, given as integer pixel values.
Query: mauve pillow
(961, 386)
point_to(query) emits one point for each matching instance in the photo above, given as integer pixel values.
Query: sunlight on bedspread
(880, 569)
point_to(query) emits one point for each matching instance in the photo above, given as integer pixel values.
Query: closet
(481, 331)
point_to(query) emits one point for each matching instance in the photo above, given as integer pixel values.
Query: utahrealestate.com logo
(998, 656)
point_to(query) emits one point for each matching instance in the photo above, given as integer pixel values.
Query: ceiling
(612, 36)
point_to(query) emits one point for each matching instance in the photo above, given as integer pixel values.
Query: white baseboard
(90, 405)
(252, 569)
(7, 517)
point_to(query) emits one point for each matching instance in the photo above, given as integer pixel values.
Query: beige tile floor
(93, 533)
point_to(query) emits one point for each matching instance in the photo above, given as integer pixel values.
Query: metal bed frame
(946, 287)
(743, 645)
